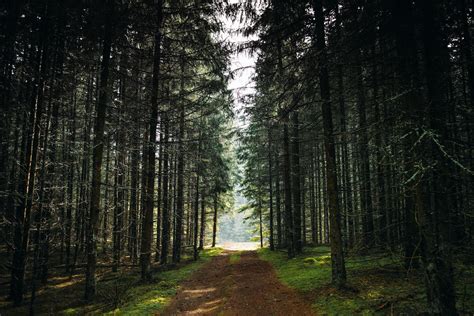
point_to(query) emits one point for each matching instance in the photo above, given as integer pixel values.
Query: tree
(98, 148)
(147, 231)
(337, 257)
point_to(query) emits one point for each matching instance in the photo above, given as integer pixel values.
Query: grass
(151, 298)
(378, 284)
(235, 257)
(120, 293)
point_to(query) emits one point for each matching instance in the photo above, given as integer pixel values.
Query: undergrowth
(121, 293)
(377, 284)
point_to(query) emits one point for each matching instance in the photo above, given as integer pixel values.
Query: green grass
(378, 284)
(301, 272)
(124, 293)
(120, 293)
(235, 257)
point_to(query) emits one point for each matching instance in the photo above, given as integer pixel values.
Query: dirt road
(248, 286)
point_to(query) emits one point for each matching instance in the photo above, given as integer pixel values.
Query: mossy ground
(121, 293)
(235, 257)
(377, 284)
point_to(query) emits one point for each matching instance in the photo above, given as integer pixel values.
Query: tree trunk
(70, 193)
(214, 220)
(312, 201)
(27, 182)
(278, 200)
(202, 233)
(432, 194)
(105, 216)
(180, 181)
(466, 46)
(39, 216)
(159, 198)
(303, 211)
(364, 155)
(196, 209)
(289, 228)
(13, 10)
(147, 225)
(296, 183)
(260, 222)
(337, 256)
(119, 211)
(134, 204)
(91, 240)
(165, 237)
(270, 188)
(409, 81)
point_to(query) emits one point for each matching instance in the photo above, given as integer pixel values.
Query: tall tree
(98, 149)
(31, 137)
(337, 256)
(147, 231)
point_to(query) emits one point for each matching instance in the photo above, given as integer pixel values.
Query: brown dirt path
(246, 287)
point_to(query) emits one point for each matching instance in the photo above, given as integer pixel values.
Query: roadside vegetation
(118, 293)
(379, 283)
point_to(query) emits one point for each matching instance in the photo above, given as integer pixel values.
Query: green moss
(378, 284)
(301, 272)
(70, 311)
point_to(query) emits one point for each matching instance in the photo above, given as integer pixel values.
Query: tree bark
(289, 228)
(270, 188)
(296, 182)
(312, 201)
(214, 220)
(260, 222)
(27, 182)
(165, 237)
(278, 200)
(432, 194)
(180, 185)
(147, 225)
(196, 206)
(337, 256)
(119, 211)
(364, 155)
(202, 233)
(92, 229)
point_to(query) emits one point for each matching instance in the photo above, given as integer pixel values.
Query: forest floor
(378, 284)
(119, 293)
(237, 283)
(248, 282)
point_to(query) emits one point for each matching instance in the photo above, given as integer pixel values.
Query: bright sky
(242, 65)
(243, 68)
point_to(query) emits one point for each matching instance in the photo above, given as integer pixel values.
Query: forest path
(247, 286)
